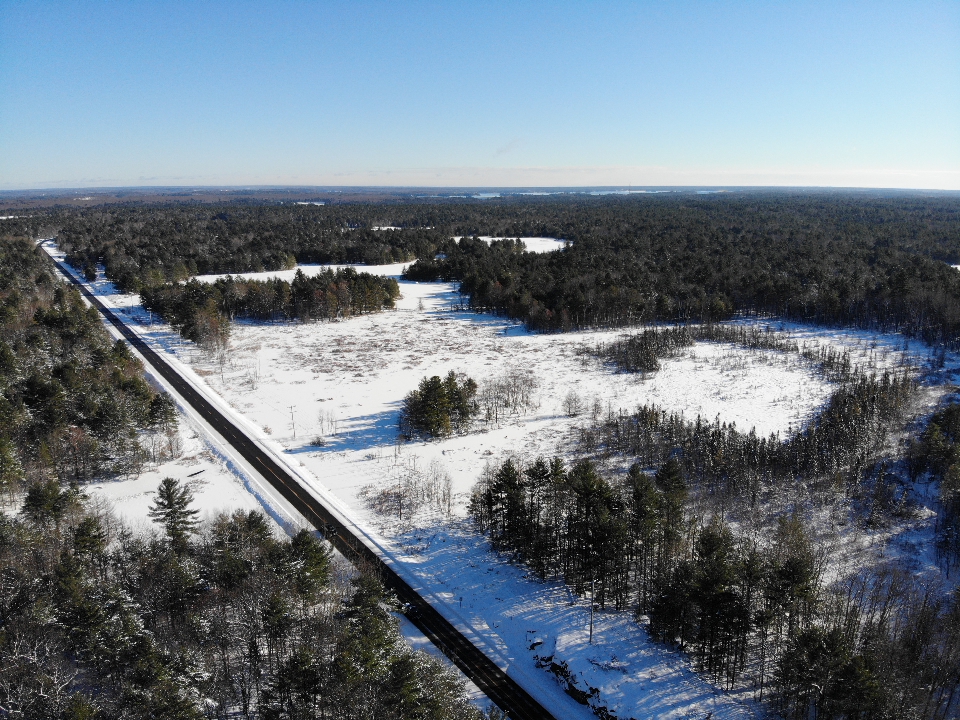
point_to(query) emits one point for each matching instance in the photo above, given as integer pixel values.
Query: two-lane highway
(493, 681)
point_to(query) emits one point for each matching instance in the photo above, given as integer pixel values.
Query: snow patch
(532, 244)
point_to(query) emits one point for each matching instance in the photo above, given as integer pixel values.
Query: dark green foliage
(876, 646)
(72, 403)
(562, 522)
(937, 452)
(47, 502)
(171, 509)
(439, 407)
(883, 648)
(869, 262)
(643, 351)
(163, 411)
(862, 649)
(735, 466)
(100, 624)
(866, 260)
(71, 399)
(146, 246)
(199, 310)
(309, 564)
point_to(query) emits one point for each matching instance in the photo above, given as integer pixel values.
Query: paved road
(497, 686)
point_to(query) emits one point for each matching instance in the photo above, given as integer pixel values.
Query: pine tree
(439, 406)
(172, 510)
(643, 512)
(670, 482)
(162, 412)
(311, 564)
(47, 503)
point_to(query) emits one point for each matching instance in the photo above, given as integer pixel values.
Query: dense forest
(874, 645)
(73, 404)
(219, 621)
(143, 246)
(817, 259)
(871, 261)
(223, 620)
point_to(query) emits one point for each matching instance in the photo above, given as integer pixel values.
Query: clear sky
(114, 93)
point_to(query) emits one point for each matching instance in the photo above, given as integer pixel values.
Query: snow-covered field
(345, 381)
(532, 244)
(342, 383)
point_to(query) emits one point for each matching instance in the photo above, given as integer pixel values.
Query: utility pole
(292, 423)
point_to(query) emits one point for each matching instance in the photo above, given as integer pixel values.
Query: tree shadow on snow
(363, 432)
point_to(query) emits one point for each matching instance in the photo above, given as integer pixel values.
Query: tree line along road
(492, 681)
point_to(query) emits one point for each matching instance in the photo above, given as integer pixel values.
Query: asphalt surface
(491, 680)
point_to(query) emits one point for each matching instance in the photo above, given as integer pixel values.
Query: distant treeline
(148, 245)
(197, 309)
(837, 258)
(828, 259)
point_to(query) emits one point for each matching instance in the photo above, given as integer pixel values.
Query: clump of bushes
(439, 406)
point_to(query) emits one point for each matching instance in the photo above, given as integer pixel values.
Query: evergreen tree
(310, 560)
(171, 509)
(673, 489)
(643, 513)
(438, 406)
(46, 502)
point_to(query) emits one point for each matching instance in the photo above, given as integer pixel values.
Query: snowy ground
(532, 244)
(345, 381)
(216, 486)
(310, 271)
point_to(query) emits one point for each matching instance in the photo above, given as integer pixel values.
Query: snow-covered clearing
(326, 397)
(310, 271)
(532, 244)
(216, 485)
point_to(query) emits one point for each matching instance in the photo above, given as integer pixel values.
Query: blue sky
(479, 94)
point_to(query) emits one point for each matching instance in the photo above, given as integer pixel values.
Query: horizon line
(639, 189)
